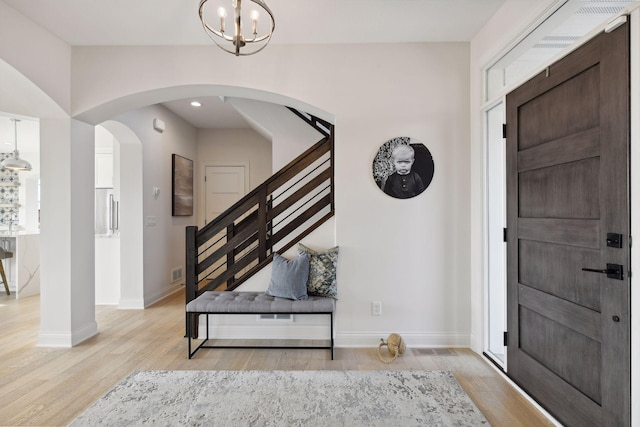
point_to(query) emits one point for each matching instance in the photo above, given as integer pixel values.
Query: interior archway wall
(372, 93)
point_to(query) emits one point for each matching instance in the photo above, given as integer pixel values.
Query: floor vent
(176, 274)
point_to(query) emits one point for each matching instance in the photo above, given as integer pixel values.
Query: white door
(224, 186)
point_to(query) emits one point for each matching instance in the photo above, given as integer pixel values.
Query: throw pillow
(322, 271)
(289, 277)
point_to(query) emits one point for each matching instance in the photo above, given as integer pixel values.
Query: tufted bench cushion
(257, 302)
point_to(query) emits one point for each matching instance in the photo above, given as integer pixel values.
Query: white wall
(413, 255)
(67, 314)
(231, 147)
(40, 57)
(164, 242)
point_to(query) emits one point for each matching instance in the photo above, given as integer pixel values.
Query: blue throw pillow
(289, 277)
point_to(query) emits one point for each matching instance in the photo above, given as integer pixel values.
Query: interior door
(224, 185)
(568, 210)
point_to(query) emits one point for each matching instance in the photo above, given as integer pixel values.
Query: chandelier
(261, 31)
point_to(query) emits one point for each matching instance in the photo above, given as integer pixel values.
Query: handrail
(271, 218)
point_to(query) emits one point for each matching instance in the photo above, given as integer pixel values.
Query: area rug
(285, 398)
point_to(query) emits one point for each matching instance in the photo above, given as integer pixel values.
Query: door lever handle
(613, 271)
(593, 270)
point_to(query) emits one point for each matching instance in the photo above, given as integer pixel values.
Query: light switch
(150, 221)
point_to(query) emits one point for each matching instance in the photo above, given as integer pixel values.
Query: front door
(567, 211)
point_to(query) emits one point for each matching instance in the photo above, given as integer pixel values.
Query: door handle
(613, 271)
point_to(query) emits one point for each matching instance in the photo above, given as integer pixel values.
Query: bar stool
(4, 255)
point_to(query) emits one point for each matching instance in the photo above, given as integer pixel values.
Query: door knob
(613, 271)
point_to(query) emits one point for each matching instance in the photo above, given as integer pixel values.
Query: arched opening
(139, 275)
(127, 245)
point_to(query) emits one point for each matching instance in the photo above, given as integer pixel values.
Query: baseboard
(154, 298)
(67, 339)
(475, 343)
(131, 304)
(412, 339)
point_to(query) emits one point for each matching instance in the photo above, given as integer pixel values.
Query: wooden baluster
(231, 257)
(262, 224)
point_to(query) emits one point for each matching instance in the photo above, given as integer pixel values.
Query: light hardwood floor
(50, 387)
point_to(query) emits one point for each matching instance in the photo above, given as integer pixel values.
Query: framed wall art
(403, 168)
(181, 186)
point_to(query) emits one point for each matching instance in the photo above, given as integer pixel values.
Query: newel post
(191, 263)
(191, 287)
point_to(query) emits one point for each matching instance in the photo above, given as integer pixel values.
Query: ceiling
(176, 22)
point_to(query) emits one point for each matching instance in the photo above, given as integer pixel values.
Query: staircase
(271, 218)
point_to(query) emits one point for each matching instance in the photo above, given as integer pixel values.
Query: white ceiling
(176, 22)
(214, 113)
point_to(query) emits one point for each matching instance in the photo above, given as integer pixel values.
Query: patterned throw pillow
(322, 271)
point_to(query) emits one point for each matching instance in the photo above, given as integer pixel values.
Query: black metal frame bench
(232, 302)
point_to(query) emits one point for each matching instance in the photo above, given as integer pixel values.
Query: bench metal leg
(331, 314)
(193, 318)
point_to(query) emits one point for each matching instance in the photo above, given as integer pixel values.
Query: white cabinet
(104, 170)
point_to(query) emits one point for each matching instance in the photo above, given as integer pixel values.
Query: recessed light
(196, 104)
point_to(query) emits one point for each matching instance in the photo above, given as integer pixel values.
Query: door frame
(202, 187)
(634, 19)
(486, 231)
(635, 210)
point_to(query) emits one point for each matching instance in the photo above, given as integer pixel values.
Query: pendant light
(236, 39)
(15, 163)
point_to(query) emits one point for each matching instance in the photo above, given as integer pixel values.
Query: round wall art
(403, 167)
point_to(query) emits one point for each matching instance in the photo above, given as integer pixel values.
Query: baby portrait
(403, 168)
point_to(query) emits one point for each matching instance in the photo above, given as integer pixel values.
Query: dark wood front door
(567, 188)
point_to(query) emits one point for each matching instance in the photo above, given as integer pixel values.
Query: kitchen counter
(5, 233)
(23, 269)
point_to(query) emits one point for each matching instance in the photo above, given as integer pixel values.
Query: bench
(233, 302)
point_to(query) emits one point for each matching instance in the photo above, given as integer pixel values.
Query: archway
(129, 155)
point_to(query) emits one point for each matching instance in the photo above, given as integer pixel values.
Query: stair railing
(271, 218)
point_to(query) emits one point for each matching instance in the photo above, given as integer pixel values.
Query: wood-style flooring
(50, 386)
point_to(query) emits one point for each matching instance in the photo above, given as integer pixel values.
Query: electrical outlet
(376, 308)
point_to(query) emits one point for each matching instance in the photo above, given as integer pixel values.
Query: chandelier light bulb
(222, 13)
(254, 19)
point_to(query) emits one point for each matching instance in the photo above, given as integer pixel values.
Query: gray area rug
(285, 398)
